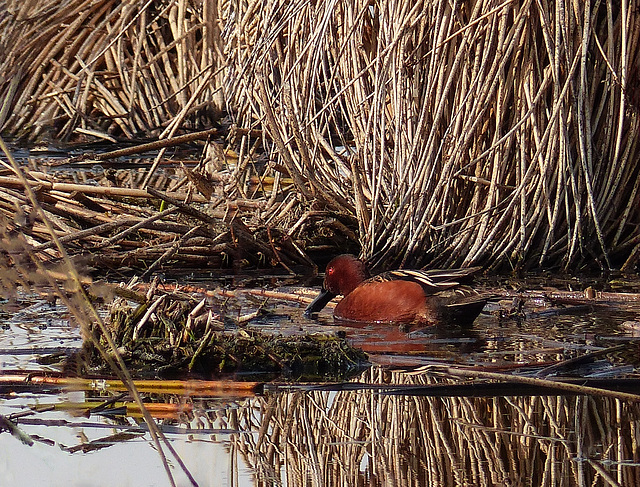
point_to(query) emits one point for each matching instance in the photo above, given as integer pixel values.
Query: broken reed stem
(97, 190)
(574, 388)
(170, 252)
(139, 149)
(185, 388)
(97, 230)
(136, 226)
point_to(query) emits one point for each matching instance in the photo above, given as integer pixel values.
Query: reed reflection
(368, 437)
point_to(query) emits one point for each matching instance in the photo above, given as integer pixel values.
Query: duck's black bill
(320, 302)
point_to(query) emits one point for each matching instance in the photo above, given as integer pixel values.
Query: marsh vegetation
(187, 138)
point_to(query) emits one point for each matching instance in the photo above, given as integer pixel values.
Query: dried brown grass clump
(167, 334)
(108, 67)
(488, 132)
(500, 133)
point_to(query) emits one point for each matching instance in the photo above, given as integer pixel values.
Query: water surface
(301, 436)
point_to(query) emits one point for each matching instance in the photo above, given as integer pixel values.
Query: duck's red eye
(330, 271)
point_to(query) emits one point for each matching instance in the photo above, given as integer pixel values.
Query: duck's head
(342, 275)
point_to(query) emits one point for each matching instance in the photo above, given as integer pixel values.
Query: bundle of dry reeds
(114, 225)
(485, 132)
(482, 132)
(108, 67)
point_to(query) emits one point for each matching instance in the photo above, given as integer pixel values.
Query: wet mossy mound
(173, 334)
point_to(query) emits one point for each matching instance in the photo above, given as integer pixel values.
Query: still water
(367, 436)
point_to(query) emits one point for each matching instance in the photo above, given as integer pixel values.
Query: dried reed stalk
(108, 67)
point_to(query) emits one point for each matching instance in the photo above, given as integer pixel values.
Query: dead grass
(501, 133)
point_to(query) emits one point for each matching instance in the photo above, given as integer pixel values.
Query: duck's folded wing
(432, 281)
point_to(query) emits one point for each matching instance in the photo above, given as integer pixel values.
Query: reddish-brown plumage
(399, 301)
(425, 298)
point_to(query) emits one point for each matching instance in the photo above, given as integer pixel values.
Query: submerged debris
(173, 333)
